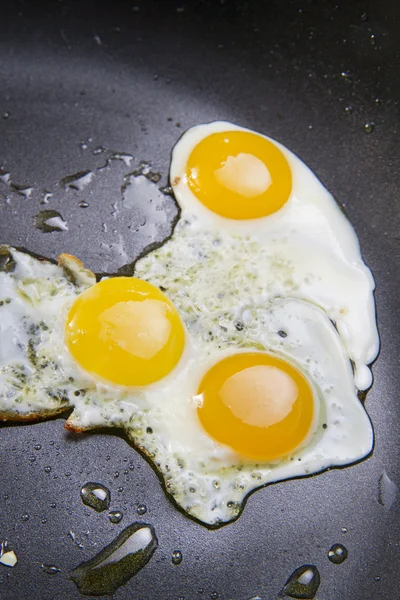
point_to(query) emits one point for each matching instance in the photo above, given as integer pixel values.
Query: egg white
(206, 479)
(237, 286)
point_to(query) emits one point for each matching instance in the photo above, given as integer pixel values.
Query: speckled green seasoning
(303, 583)
(117, 562)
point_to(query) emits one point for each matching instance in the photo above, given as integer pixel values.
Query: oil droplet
(8, 558)
(47, 469)
(117, 562)
(96, 496)
(46, 197)
(387, 491)
(83, 204)
(369, 127)
(6, 114)
(372, 39)
(77, 181)
(344, 530)
(99, 150)
(377, 578)
(38, 447)
(177, 557)
(115, 516)
(337, 554)
(4, 176)
(73, 538)
(214, 595)
(25, 517)
(22, 190)
(167, 190)
(303, 583)
(50, 569)
(49, 221)
(348, 109)
(347, 76)
(141, 509)
(123, 156)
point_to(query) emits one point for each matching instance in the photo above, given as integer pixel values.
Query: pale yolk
(126, 331)
(239, 175)
(258, 404)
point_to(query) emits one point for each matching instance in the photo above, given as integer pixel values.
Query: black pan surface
(131, 77)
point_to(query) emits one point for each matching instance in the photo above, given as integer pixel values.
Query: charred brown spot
(176, 181)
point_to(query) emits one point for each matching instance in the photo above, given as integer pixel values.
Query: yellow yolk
(258, 404)
(126, 331)
(239, 175)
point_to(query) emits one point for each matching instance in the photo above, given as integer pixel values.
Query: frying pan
(131, 77)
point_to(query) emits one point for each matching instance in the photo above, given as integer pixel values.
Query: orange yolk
(126, 331)
(258, 404)
(239, 175)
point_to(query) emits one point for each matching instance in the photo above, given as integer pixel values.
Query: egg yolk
(126, 331)
(239, 175)
(258, 404)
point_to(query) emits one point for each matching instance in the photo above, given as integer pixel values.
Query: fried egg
(234, 356)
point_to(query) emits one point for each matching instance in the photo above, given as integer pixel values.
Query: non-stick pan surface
(131, 77)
